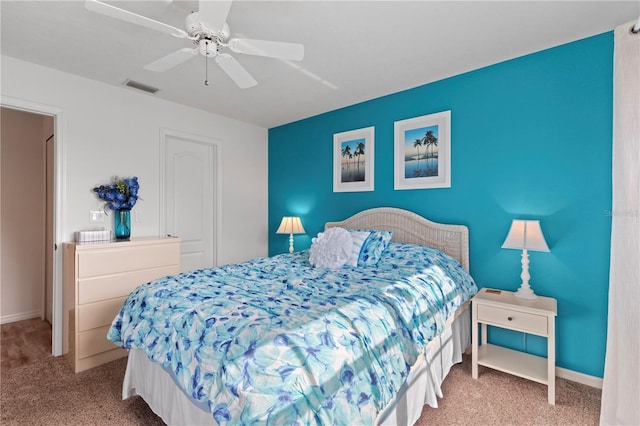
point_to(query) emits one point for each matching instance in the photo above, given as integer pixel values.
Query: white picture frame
(431, 168)
(353, 157)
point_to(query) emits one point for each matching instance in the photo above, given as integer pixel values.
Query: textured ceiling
(354, 50)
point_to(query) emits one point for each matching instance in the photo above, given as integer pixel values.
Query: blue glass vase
(122, 224)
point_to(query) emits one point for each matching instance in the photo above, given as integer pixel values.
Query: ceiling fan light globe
(208, 48)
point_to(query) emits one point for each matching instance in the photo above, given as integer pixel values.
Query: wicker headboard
(410, 228)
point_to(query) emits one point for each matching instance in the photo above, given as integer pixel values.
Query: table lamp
(525, 235)
(290, 225)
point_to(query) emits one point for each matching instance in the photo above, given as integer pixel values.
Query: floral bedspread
(276, 341)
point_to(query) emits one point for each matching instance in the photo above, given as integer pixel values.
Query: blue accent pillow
(373, 247)
(359, 237)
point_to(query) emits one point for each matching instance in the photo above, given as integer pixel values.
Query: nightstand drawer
(529, 323)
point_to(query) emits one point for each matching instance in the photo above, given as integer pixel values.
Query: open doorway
(27, 232)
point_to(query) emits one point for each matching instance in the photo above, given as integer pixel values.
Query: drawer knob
(510, 318)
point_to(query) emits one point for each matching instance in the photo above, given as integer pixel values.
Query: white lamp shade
(525, 234)
(290, 225)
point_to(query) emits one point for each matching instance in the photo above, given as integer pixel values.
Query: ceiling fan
(208, 30)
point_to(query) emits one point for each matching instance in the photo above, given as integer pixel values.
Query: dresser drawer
(92, 342)
(119, 285)
(522, 321)
(124, 259)
(99, 314)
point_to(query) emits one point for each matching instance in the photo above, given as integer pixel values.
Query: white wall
(114, 131)
(22, 223)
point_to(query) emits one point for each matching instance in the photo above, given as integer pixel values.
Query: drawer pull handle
(510, 318)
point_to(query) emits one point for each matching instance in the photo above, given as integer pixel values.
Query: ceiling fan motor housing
(196, 28)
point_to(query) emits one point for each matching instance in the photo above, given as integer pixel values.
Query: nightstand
(503, 309)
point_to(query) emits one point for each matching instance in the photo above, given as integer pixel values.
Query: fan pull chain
(206, 64)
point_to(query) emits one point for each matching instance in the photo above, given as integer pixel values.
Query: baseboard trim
(574, 376)
(19, 317)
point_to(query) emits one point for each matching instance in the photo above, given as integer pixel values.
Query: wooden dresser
(98, 277)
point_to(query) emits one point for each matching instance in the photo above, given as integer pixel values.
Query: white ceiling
(354, 50)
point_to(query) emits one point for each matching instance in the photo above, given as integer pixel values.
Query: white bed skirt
(150, 381)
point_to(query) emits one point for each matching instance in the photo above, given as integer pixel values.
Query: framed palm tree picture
(422, 152)
(353, 160)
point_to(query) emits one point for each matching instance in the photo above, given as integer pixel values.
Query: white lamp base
(525, 292)
(290, 243)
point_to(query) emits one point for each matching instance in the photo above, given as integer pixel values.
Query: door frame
(58, 202)
(217, 185)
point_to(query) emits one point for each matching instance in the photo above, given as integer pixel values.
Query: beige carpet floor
(24, 342)
(47, 392)
(498, 398)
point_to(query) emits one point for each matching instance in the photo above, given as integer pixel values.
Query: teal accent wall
(531, 139)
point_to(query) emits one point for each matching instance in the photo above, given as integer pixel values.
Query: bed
(278, 341)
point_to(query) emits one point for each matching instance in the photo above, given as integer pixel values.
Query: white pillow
(331, 248)
(359, 237)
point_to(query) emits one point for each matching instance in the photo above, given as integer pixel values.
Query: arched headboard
(411, 228)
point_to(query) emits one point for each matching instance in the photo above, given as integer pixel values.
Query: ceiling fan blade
(235, 71)
(172, 59)
(213, 14)
(134, 18)
(272, 49)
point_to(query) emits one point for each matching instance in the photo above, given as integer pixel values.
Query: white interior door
(190, 197)
(49, 246)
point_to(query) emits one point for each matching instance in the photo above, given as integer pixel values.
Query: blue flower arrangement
(121, 194)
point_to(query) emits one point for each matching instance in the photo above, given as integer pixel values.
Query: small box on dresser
(98, 277)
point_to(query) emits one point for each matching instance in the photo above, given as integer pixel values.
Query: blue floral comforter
(276, 341)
